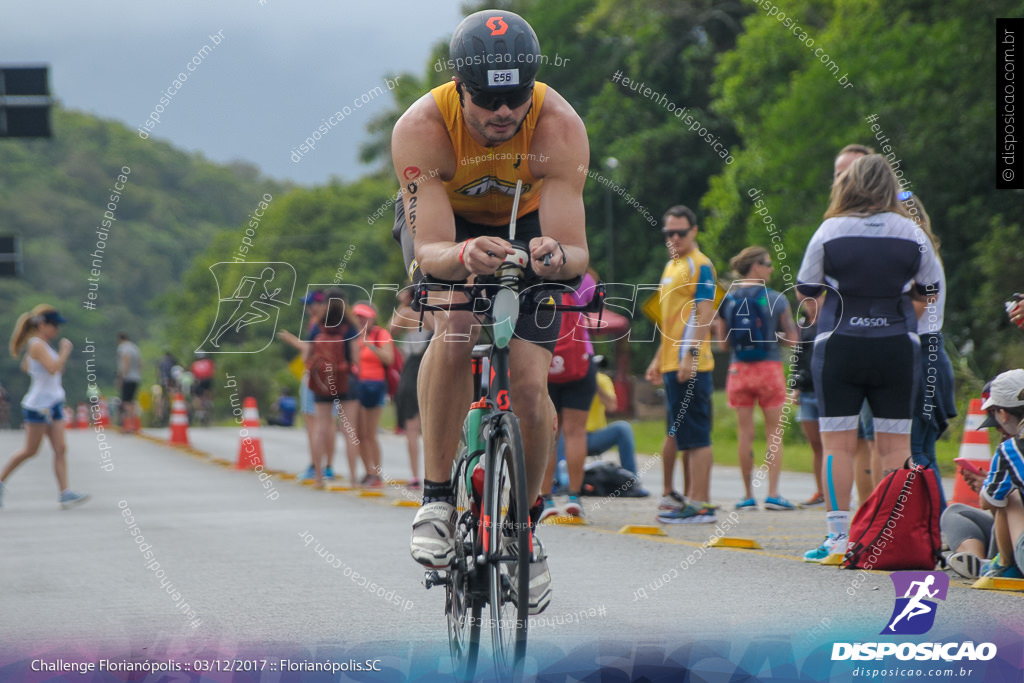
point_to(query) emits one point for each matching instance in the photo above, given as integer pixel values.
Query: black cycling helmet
(495, 51)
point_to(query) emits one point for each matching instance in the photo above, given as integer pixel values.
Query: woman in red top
(376, 350)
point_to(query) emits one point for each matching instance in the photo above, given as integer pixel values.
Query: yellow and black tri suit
(482, 190)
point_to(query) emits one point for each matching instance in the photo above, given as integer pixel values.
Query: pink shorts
(761, 382)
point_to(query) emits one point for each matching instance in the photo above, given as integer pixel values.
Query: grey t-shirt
(128, 350)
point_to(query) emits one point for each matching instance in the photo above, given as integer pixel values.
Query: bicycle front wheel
(463, 606)
(507, 526)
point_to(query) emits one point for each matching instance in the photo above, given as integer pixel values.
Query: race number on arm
(423, 155)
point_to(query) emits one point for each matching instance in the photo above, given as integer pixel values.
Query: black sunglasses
(676, 233)
(492, 101)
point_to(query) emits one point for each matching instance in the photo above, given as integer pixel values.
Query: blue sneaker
(309, 474)
(573, 507)
(328, 473)
(70, 499)
(688, 514)
(778, 503)
(993, 569)
(747, 504)
(549, 510)
(822, 551)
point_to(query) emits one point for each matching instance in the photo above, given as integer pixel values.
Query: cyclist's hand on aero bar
(540, 247)
(483, 255)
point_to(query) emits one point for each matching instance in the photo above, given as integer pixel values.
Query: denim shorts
(371, 393)
(808, 411)
(306, 397)
(56, 413)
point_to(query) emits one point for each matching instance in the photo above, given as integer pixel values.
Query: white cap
(1007, 391)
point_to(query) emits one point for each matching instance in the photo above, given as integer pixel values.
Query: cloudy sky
(281, 68)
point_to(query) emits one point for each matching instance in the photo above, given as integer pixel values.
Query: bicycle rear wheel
(463, 605)
(507, 526)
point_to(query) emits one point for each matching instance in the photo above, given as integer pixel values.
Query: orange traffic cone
(974, 447)
(69, 418)
(179, 421)
(250, 449)
(83, 416)
(104, 420)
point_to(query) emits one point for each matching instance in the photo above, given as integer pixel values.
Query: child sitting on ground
(1003, 486)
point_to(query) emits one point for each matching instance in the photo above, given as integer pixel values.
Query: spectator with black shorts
(414, 345)
(867, 466)
(129, 374)
(751, 310)
(873, 255)
(572, 385)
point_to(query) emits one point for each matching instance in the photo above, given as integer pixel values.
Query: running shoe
(573, 507)
(815, 501)
(540, 577)
(967, 565)
(414, 484)
(373, 481)
(432, 543)
(993, 569)
(328, 473)
(70, 499)
(747, 504)
(671, 501)
(309, 474)
(822, 551)
(549, 510)
(840, 544)
(688, 514)
(778, 503)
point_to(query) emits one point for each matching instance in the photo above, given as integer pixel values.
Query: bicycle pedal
(433, 578)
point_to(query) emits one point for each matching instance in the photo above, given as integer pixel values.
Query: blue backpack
(749, 326)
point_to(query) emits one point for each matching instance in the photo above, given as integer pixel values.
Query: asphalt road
(230, 565)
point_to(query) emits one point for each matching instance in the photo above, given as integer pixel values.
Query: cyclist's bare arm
(423, 155)
(561, 141)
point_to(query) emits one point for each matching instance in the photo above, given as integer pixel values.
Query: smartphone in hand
(969, 465)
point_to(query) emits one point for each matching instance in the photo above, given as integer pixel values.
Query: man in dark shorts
(129, 374)
(458, 152)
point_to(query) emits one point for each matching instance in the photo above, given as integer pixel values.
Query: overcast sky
(282, 67)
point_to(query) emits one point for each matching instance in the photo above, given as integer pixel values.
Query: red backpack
(897, 527)
(328, 362)
(569, 360)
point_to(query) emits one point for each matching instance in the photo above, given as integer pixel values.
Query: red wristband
(462, 251)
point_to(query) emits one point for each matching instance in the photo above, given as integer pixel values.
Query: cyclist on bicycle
(458, 152)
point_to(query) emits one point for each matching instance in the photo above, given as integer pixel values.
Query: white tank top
(45, 391)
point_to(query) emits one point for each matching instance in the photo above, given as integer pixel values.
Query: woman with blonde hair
(876, 259)
(42, 407)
